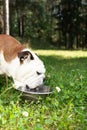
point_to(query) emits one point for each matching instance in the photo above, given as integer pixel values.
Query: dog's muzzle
(28, 88)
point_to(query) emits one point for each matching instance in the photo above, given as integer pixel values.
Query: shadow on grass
(70, 75)
(47, 45)
(55, 65)
(41, 44)
(59, 62)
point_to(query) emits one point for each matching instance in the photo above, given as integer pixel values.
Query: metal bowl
(41, 91)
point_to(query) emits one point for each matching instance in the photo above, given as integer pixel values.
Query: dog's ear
(23, 55)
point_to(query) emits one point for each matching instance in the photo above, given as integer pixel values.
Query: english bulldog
(19, 62)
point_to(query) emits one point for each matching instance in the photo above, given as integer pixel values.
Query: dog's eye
(38, 73)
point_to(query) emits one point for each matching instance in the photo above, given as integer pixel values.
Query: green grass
(66, 110)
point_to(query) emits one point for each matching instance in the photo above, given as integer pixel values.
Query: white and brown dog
(19, 62)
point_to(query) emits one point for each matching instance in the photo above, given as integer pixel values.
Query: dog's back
(9, 46)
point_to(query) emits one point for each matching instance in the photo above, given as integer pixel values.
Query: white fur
(26, 73)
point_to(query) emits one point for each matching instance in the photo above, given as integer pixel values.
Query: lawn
(64, 110)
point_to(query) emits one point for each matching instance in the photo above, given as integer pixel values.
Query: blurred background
(61, 23)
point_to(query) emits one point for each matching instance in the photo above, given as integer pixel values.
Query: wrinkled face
(31, 72)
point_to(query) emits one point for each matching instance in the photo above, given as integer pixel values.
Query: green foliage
(71, 24)
(65, 110)
(62, 22)
(31, 19)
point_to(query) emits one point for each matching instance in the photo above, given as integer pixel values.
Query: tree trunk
(20, 23)
(1, 22)
(6, 16)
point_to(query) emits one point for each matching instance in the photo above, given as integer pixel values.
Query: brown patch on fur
(10, 47)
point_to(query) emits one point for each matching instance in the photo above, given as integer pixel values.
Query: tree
(68, 17)
(6, 16)
(1, 21)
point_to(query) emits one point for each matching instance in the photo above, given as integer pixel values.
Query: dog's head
(31, 70)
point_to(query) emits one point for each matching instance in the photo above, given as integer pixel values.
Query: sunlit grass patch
(63, 53)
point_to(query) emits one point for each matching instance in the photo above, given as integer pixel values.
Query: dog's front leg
(6, 78)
